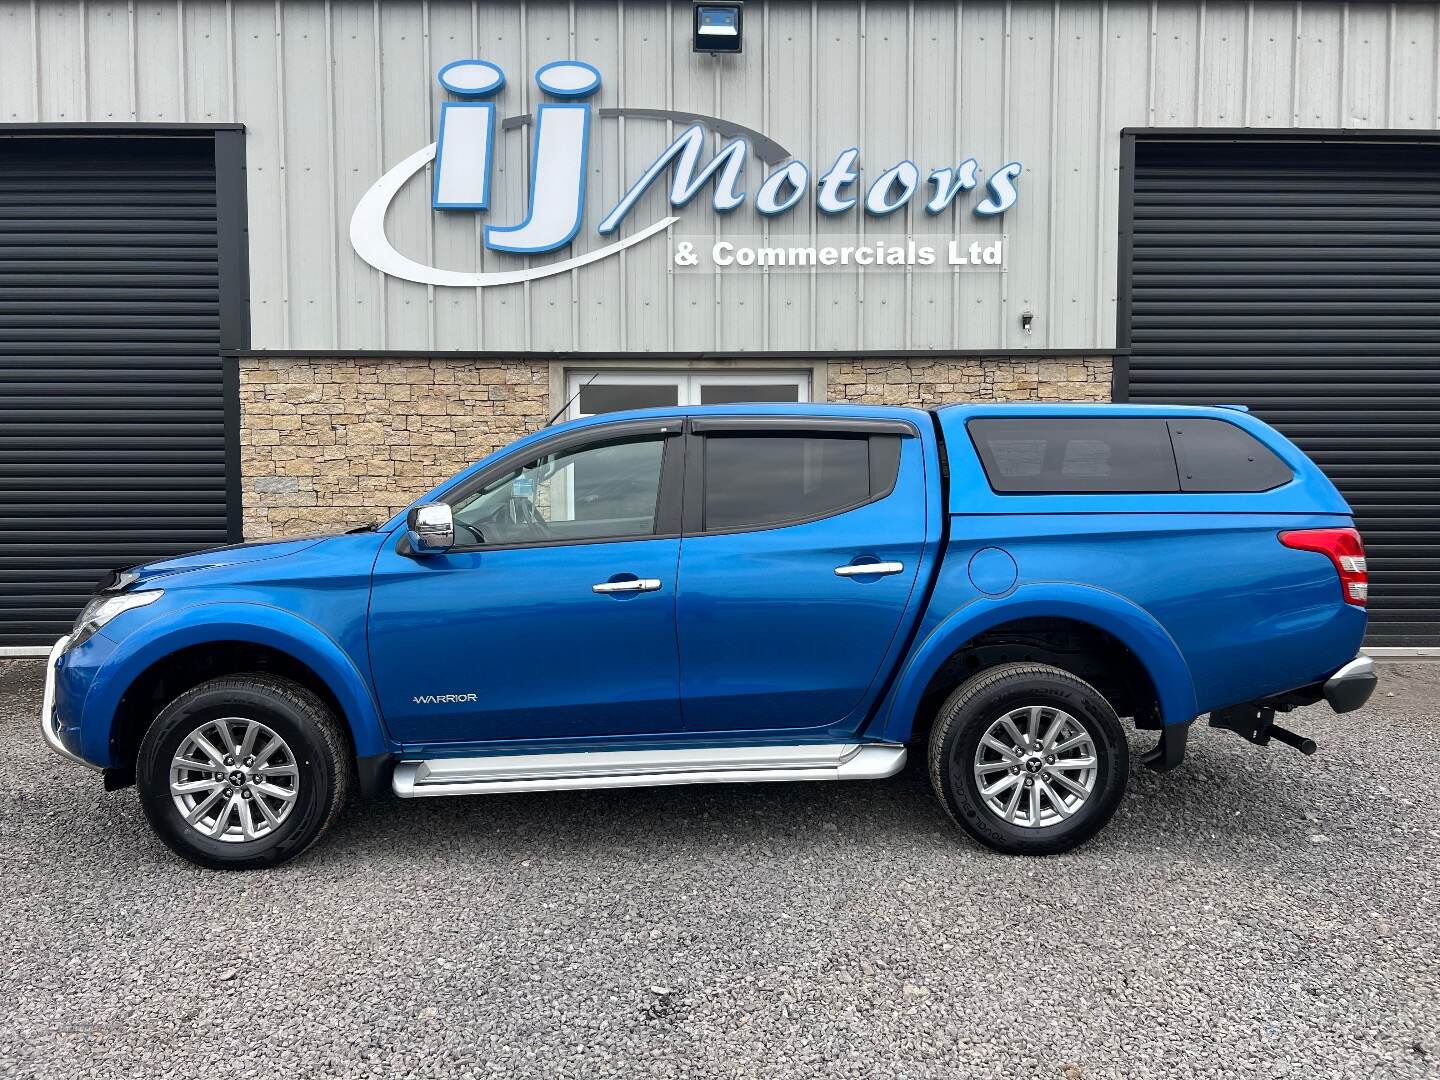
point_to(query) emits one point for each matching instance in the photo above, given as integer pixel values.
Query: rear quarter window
(1215, 456)
(1075, 454)
(1117, 454)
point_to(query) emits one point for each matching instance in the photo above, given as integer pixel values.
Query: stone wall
(332, 443)
(925, 382)
(336, 443)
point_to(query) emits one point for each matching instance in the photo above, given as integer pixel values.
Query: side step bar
(646, 768)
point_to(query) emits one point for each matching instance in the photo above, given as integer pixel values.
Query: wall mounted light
(718, 27)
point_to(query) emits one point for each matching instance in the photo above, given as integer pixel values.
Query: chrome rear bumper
(1352, 685)
(49, 722)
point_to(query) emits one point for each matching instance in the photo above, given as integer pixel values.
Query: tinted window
(732, 393)
(1081, 454)
(755, 480)
(585, 493)
(604, 397)
(1215, 456)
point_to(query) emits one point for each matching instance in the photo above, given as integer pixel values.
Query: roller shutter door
(1303, 280)
(112, 397)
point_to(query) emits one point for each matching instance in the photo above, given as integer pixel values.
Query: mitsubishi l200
(739, 594)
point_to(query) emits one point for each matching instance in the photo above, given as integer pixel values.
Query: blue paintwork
(520, 629)
(993, 571)
(752, 637)
(308, 598)
(958, 612)
(772, 640)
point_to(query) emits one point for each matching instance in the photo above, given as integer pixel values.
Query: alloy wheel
(234, 779)
(1035, 766)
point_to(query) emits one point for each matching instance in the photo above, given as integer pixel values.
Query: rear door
(782, 629)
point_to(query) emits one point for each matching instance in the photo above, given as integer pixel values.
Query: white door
(594, 392)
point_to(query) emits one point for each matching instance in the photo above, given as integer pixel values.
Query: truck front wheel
(243, 772)
(1028, 759)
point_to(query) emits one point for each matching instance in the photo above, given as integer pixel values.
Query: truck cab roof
(965, 410)
(948, 414)
(971, 491)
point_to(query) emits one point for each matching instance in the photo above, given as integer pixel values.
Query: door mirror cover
(430, 528)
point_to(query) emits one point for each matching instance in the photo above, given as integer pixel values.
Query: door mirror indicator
(430, 529)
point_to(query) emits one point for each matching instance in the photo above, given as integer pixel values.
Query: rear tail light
(1345, 551)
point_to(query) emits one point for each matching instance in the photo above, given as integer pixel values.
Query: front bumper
(1352, 685)
(49, 719)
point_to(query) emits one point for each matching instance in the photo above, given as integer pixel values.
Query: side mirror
(430, 528)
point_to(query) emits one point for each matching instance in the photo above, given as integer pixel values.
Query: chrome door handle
(644, 584)
(876, 569)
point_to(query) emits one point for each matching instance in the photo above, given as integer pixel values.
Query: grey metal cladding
(333, 93)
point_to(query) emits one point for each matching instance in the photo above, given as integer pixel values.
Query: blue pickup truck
(739, 594)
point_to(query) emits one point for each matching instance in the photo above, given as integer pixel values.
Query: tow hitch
(1256, 722)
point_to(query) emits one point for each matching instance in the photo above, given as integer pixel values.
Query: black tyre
(243, 772)
(1028, 759)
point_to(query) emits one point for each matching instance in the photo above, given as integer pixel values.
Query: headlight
(103, 608)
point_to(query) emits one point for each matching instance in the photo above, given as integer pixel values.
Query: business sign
(867, 253)
(466, 147)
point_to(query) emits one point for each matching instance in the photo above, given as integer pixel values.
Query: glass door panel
(615, 392)
(611, 391)
(712, 393)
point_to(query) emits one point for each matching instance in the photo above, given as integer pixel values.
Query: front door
(553, 617)
(783, 630)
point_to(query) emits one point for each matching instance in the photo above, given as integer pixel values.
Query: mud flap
(1170, 750)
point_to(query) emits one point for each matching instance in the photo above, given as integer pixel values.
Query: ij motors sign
(463, 156)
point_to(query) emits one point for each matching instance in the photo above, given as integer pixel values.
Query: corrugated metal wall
(333, 93)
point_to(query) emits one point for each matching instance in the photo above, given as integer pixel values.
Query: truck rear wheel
(1028, 759)
(243, 772)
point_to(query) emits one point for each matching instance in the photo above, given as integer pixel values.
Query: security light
(717, 27)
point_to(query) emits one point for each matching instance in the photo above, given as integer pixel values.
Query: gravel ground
(1255, 914)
